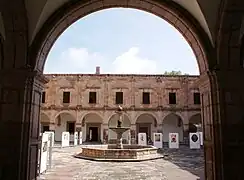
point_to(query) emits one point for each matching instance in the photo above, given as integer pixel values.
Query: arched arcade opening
(195, 123)
(172, 123)
(146, 123)
(64, 122)
(45, 122)
(113, 121)
(92, 128)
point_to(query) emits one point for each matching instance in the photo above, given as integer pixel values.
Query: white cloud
(80, 60)
(131, 63)
(75, 60)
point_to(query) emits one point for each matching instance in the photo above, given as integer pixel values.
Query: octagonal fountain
(119, 151)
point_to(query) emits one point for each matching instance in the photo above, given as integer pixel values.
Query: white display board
(158, 140)
(194, 140)
(174, 140)
(65, 139)
(44, 152)
(52, 137)
(80, 138)
(201, 138)
(76, 138)
(142, 139)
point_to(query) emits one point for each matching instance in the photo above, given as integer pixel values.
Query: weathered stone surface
(132, 87)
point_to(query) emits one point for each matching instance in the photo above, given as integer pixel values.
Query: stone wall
(155, 114)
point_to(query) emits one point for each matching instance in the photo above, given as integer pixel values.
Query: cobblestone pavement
(182, 164)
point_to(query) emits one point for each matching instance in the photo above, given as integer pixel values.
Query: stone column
(105, 133)
(78, 127)
(228, 125)
(52, 126)
(186, 134)
(133, 133)
(20, 93)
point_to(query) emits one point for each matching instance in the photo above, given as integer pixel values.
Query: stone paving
(182, 164)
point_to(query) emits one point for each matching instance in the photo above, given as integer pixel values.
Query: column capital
(23, 74)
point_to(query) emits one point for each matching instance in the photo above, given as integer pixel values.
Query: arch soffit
(194, 115)
(65, 112)
(91, 113)
(45, 114)
(173, 113)
(170, 11)
(112, 115)
(154, 116)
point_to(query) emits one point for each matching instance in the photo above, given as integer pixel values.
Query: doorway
(93, 134)
(144, 130)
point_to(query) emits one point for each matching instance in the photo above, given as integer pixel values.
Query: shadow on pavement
(191, 160)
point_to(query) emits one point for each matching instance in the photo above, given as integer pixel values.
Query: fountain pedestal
(119, 152)
(119, 131)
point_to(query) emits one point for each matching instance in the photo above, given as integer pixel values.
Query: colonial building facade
(151, 103)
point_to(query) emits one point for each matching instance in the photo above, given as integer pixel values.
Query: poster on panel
(80, 137)
(65, 139)
(44, 151)
(75, 138)
(201, 138)
(194, 140)
(158, 140)
(142, 139)
(174, 140)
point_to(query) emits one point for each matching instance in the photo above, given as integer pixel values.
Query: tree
(173, 73)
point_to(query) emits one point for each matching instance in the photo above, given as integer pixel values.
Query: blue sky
(121, 41)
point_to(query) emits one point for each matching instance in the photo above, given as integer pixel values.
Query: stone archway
(172, 123)
(92, 128)
(64, 122)
(113, 123)
(170, 11)
(146, 123)
(195, 123)
(45, 122)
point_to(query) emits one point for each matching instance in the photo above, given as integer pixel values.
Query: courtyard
(178, 164)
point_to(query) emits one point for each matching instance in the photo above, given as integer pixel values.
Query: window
(172, 98)
(92, 97)
(119, 98)
(146, 98)
(71, 127)
(43, 97)
(197, 99)
(66, 97)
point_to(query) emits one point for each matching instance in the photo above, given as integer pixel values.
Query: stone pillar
(105, 133)
(20, 93)
(78, 127)
(52, 127)
(228, 125)
(133, 133)
(186, 134)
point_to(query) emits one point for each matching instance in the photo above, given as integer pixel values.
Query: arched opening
(172, 123)
(45, 122)
(195, 123)
(92, 128)
(146, 123)
(113, 121)
(64, 122)
(171, 12)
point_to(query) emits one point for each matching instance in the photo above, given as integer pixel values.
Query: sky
(121, 41)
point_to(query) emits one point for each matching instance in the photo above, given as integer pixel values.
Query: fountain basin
(129, 153)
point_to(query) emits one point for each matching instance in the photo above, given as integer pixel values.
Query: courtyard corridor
(182, 164)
